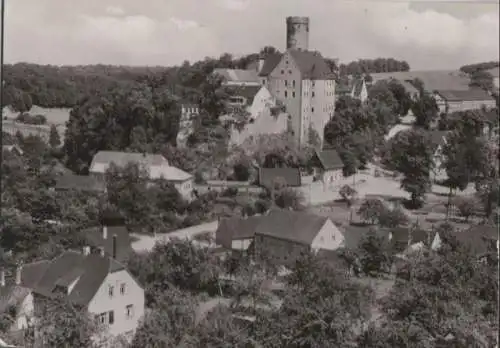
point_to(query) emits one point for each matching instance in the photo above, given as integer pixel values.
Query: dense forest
(64, 86)
(471, 68)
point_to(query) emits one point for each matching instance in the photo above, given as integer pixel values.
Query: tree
(411, 155)
(63, 324)
(288, 198)
(393, 218)
(373, 254)
(348, 193)
(466, 207)
(371, 209)
(425, 111)
(166, 325)
(241, 171)
(113, 121)
(54, 139)
(481, 79)
(314, 138)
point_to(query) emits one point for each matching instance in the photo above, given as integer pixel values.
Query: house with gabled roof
(356, 88)
(290, 176)
(156, 165)
(480, 240)
(437, 140)
(95, 282)
(283, 234)
(328, 167)
(238, 77)
(450, 101)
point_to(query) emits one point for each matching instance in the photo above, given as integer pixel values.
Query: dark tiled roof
(479, 239)
(299, 227)
(474, 94)
(268, 175)
(400, 237)
(86, 271)
(238, 75)
(94, 237)
(329, 159)
(80, 182)
(238, 228)
(270, 63)
(247, 92)
(311, 65)
(12, 294)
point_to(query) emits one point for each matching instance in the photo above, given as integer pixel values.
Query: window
(129, 311)
(312, 109)
(282, 71)
(111, 317)
(312, 94)
(111, 290)
(293, 94)
(286, 83)
(101, 318)
(289, 71)
(286, 94)
(293, 83)
(122, 288)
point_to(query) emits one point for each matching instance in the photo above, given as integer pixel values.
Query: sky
(427, 35)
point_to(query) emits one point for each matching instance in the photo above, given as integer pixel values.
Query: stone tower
(297, 33)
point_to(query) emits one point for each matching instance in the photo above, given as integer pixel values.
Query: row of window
(108, 318)
(111, 290)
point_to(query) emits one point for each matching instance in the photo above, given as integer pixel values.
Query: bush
(230, 192)
(241, 172)
(262, 206)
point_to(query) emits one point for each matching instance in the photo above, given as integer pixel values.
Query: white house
(156, 165)
(328, 167)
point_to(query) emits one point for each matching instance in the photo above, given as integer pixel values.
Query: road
(146, 243)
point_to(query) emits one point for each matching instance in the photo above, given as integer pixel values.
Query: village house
(282, 234)
(289, 177)
(449, 101)
(111, 237)
(16, 296)
(437, 142)
(13, 149)
(479, 240)
(189, 115)
(356, 89)
(328, 167)
(98, 283)
(156, 165)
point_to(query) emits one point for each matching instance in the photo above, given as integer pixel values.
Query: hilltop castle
(299, 79)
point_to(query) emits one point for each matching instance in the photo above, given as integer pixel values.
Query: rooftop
(432, 79)
(474, 94)
(290, 175)
(329, 159)
(121, 159)
(238, 75)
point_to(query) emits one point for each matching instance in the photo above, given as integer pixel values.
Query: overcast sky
(167, 32)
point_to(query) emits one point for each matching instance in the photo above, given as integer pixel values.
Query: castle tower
(297, 33)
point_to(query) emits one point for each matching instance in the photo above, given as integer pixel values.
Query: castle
(299, 79)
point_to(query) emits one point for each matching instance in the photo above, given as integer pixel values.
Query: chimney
(114, 246)
(104, 232)
(19, 270)
(86, 250)
(2, 278)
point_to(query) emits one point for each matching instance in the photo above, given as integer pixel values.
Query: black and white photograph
(249, 174)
